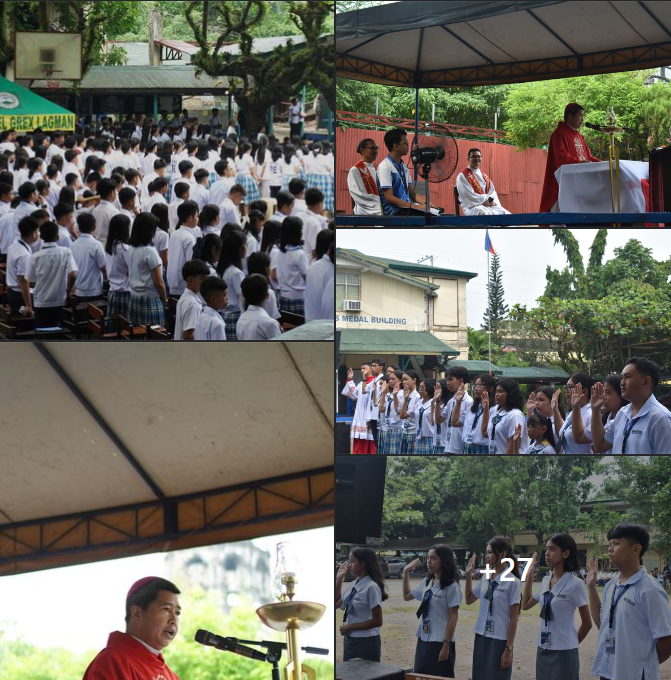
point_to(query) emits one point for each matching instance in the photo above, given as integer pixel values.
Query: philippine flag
(488, 244)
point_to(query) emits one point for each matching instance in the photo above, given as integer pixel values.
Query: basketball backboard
(50, 56)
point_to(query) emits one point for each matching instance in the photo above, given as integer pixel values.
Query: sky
(47, 609)
(524, 255)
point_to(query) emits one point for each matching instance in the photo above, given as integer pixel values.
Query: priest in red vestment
(567, 145)
(152, 622)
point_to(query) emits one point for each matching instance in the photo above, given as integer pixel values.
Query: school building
(412, 315)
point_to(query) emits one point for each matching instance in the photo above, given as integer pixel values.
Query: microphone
(591, 126)
(204, 637)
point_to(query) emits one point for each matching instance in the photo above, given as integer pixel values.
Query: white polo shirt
(472, 429)
(292, 271)
(391, 417)
(455, 435)
(505, 429)
(210, 326)
(90, 258)
(414, 400)
(117, 268)
(428, 429)
(49, 269)
(543, 447)
(642, 617)
(229, 213)
(18, 259)
(234, 277)
(368, 596)
(373, 410)
(104, 212)
(142, 262)
(649, 433)
(442, 600)
(567, 431)
(568, 594)
(256, 324)
(506, 595)
(319, 273)
(180, 251)
(189, 309)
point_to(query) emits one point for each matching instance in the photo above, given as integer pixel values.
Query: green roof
(355, 341)
(385, 268)
(531, 374)
(421, 269)
(474, 367)
(24, 111)
(164, 79)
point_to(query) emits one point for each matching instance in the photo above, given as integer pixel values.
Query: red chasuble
(125, 658)
(364, 446)
(566, 146)
(368, 181)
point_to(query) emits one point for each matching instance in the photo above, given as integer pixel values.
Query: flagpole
(489, 313)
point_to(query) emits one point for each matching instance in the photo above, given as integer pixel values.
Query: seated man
(362, 180)
(394, 181)
(477, 194)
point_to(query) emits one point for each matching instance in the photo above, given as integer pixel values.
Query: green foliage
(655, 113)
(497, 309)
(21, 661)
(533, 109)
(478, 345)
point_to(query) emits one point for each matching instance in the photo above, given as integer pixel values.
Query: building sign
(381, 320)
(28, 122)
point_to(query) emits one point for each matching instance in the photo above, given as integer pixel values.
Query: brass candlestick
(614, 166)
(290, 617)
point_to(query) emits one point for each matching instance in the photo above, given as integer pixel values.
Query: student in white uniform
(210, 324)
(362, 437)
(612, 388)
(181, 245)
(457, 378)
(634, 620)
(362, 605)
(475, 438)
(377, 368)
(541, 402)
(575, 433)
(390, 414)
(541, 434)
(644, 425)
(255, 323)
(501, 425)
(426, 426)
(561, 592)
(441, 395)
(89, 255)
(411, 401)
(440, 597)
(190, 305)
(117, 253)
(496, 626)
(379, 397)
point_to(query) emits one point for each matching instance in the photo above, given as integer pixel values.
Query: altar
(585, 187)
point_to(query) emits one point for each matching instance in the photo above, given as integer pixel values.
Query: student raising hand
(484, 400)
(576, 396)
(555, 401)
(598, 399)
(350, 374)
(592, 572)
(461, 392)
(437, 392)
(531, 403)
(517, 438)
(470, 567)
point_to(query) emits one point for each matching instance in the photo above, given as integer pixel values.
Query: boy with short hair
(255, 323)
(190, 305)
(634, 620)
(211, 325)
(53, 273)
(297, 189)
(199, 191)
(285, 206)
(64, 216)
(18, 260)
(89, 255)
(6, 196)
(230, 207)
(181, 245)
(457, 377)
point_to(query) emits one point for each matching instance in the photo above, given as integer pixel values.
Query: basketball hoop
(49, 78)
(53, 84)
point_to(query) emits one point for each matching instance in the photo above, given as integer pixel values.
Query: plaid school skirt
(476, 448)
(381, 436)
(231, 320)
(424, 446)
(146, 311)
(251, 187)
(325, 184)
(392, 442)
(117, 304)
(292, 306)
(438, 450)
(408, 443)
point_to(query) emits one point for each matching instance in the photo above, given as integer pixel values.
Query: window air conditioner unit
(351, 305)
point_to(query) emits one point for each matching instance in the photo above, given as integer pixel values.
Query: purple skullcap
(138, 584)
(567, 110)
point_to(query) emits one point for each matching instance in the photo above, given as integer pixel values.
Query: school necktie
(489, 595)
(351, 595)
(627, 431)
(423, 610)
(546, 609)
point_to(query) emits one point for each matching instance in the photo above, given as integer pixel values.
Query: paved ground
(400, 623)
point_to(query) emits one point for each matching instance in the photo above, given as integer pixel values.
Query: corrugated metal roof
(531, 374)
(355, 341)
(517, 175)
(474, 367)
(166, 79)
(426, 269)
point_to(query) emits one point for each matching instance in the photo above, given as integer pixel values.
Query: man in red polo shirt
(152, 622)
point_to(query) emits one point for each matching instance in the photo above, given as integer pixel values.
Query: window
(348, 287)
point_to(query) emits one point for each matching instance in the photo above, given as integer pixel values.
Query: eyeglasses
(476, 158)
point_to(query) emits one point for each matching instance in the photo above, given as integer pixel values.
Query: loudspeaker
(359, 493)
(342, 438)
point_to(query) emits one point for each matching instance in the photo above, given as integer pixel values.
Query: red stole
(473, 181)
(368, 181)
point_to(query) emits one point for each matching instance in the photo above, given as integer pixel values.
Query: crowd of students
(632, 618)
(95, 216)
(397, 413)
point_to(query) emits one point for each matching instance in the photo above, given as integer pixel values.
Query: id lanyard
(401, 173)
(489, 595)
(495, 421)
(348, 602)
(390, 401)
(613, 604)
(562, 439)
(474, 424)
(419, 424)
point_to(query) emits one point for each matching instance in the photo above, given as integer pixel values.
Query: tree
(269, 79)
(96, 21)
(497, 308)
(478, 345)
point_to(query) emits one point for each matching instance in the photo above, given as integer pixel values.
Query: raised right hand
(470, 567)
(396, 388)
(412, 565)
(461, 392)
(555, 400)
(350, 374)
(342, 570)
(592, 572)
(531, 403)
(484, 399)
(598, 399)
(576, 395)
(438, 392)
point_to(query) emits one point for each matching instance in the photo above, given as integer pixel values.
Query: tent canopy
(448, 44)
(111, 451)
(25, 111)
